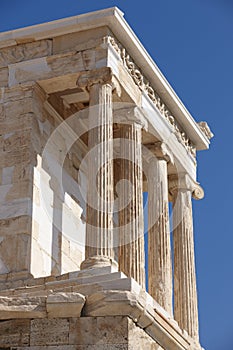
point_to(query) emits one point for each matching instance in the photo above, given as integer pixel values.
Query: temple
(88, 125)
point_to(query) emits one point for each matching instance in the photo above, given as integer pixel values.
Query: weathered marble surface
(85, 333)
(100, 168)
(47, 74)
(63, 300)
(64, 304)
(159, 243)
(185, 290)
(131, 221)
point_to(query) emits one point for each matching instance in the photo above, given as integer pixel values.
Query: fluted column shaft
(99, 224)
(159, 245)
(131, 224)
(185, 292)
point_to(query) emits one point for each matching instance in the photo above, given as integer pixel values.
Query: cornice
(145, 86)
(113, 18)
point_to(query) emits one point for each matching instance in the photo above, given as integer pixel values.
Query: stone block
(23, 52)
(97, 271)
(80, 279)
(21, 155)
(139, 339)
(66, 63)
(22, 172)
(53, 347)
(16, 122)
(16, 225)
(6, 175)
(19, 138)
(65, 305)
(49, 332)
(89, 58)
(112, 330)
(19, 276)
(98, 330)
(93, 59)
(103, 347)
(166, 336)
(83, 331)
(76, 347)
(44, 68)
(59, 83)
(19, 107)
(15, 93)
(14, 333)
(113, 303)
(101, 57)
(53, 66)
(22, 189)
(128, 84)
(87, 289)
(18, 207)
(4, 73)
(28, 71)
(14, 252)
(109, 333)
(2, 109)
(144, 345)
(27, 307)
(79, 41)
(11, 192)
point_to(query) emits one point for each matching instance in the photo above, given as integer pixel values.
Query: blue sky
(192, 43)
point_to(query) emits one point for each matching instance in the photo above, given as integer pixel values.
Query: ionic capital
(98, 76)
(185, 183)
(130, 115)
(161, 151)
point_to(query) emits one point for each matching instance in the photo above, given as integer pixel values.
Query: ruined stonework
(87, 124)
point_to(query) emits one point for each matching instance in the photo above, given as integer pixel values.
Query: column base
(98, 265)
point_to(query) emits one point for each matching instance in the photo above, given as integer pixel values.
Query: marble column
(159, 245)
(185, 291)
(99, 222)
(131, 224)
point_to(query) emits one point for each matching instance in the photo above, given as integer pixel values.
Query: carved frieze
(144, 85)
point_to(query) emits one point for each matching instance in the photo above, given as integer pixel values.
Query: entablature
(127, 45)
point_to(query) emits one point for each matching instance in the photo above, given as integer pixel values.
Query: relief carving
(144, 85)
